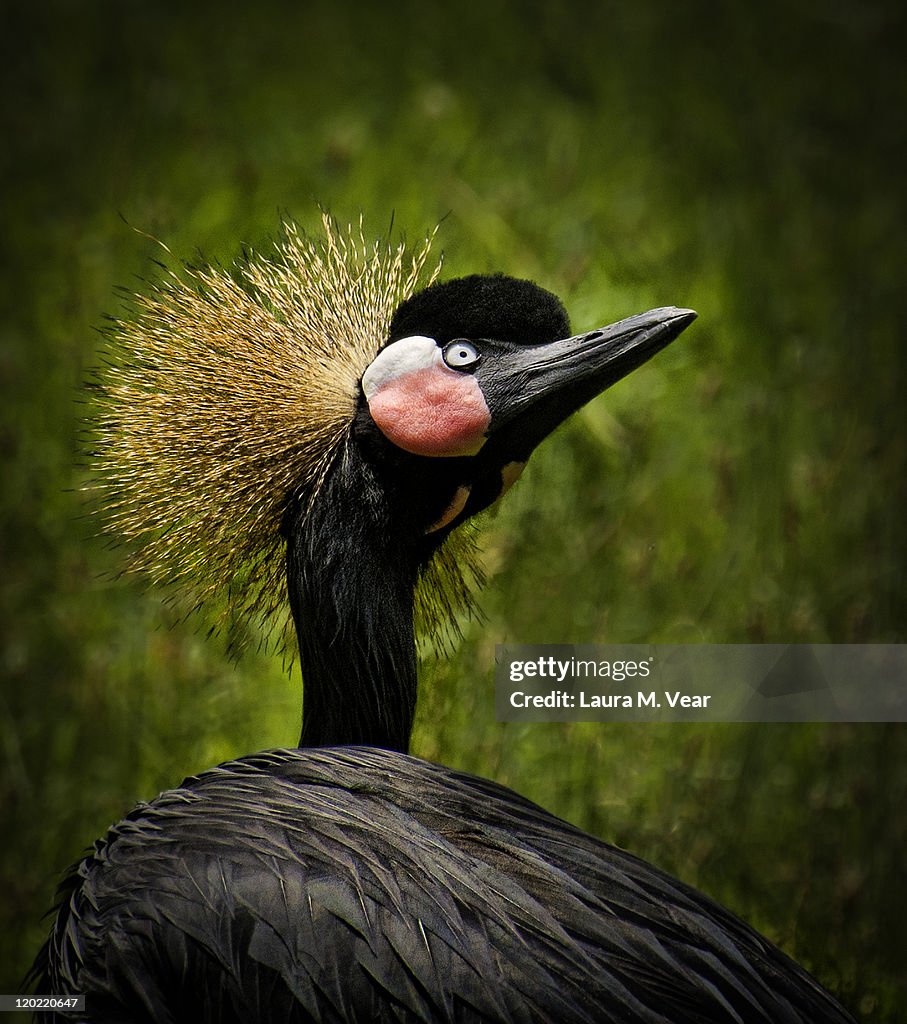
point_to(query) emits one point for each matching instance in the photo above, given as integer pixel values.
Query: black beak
(534, 388)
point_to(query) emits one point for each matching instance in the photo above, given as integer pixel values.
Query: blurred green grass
(748, 485)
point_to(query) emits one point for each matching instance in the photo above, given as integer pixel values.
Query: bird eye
(459, 355)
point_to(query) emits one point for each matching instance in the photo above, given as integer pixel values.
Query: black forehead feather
(483, 306)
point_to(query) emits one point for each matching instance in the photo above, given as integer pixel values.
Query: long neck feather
(351, 578)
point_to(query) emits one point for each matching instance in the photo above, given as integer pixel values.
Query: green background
(746, 486)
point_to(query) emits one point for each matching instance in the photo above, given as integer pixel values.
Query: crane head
(229, 399)
(476, 372)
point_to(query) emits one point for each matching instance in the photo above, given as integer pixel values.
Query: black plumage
(349, 881)
(357, 884)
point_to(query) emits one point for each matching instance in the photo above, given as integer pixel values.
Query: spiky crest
(227, 393)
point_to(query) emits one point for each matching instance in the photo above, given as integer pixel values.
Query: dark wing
(352, 884)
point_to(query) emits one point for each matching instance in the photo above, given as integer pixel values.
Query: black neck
(351, 579)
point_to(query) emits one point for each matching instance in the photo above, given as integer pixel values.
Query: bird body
(346, 880)
(358, 884)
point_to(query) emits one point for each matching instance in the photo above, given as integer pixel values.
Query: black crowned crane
(315, 405)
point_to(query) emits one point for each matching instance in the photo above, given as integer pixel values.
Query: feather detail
(227, 394)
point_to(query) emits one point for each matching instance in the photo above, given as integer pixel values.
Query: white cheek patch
(400, 357)
(423, 406)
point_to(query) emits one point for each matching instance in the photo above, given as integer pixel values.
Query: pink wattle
(432, 411)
